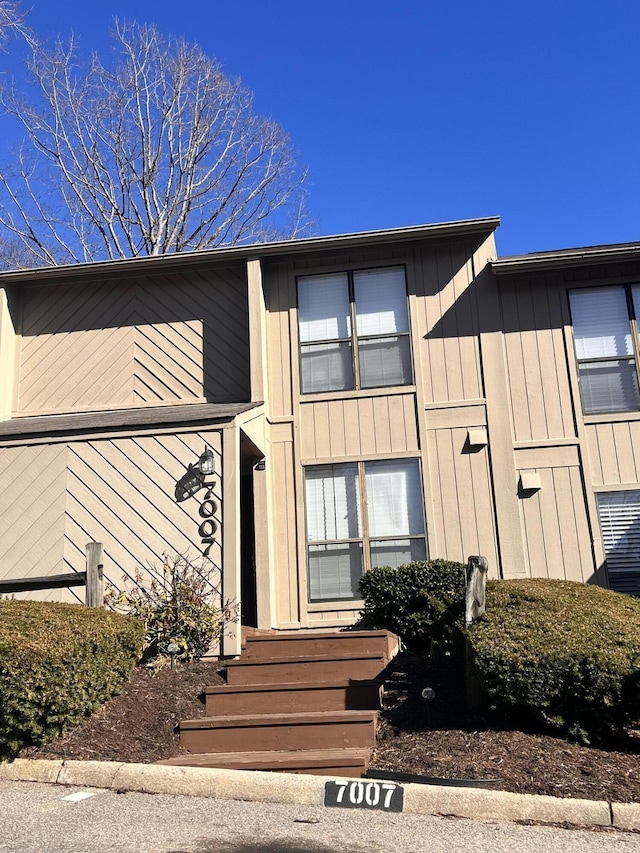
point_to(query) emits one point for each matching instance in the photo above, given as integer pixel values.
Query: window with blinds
(361, 514)
(354, 330)
(604, 328)
(620, 525)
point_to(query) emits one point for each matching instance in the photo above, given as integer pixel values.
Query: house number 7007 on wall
(364, 795)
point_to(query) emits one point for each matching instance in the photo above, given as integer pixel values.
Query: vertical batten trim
(257, 332)
(231, 558)
(509, 531)
(7, 357)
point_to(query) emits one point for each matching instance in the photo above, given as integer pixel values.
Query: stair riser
(260, 738)
(305, 671)
(280, 647)
(289, 701)
(349, 770)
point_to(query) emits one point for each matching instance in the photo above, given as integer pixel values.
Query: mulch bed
(140, 725)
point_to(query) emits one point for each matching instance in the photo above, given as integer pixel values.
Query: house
(368, 399)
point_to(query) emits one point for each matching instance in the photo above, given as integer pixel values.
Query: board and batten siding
(380, 424)
(534, 316)
(460, 502)
(614, 452)
(135, 342)
(114, 490)
(555, 518)
(285, 524)
(384, 423)
(445, 323)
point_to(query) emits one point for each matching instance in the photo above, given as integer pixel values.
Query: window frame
(633, 357)
(354, 339)
(365, 539)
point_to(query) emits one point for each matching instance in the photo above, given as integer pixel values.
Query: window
(361, 514)
(620, 523)
(605, 332)
(354, 330)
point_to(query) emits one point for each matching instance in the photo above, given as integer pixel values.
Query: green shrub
(58, 663)
(414, 601)
(563, 652)
(179, 603)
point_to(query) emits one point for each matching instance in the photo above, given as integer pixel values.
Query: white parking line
(79, 796)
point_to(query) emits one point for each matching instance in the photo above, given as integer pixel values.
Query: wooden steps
(304, 702)
(303, 697)
(321, 762)
(263, 645)
(261, 732)
(310, 668)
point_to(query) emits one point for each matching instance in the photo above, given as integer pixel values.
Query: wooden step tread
(274, 634)
(274, 760)
(249, 720)
(214, 689)
(341, 656)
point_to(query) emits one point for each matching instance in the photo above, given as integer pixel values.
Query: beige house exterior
(368, 398)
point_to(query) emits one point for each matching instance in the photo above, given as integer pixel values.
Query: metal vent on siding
(620, 523)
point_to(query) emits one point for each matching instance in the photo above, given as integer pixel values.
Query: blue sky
(420, 111)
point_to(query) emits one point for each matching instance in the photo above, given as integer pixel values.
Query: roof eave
(148, 263)
(565, 258)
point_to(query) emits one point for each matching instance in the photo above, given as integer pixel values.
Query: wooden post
(95, 580)
(476, 585)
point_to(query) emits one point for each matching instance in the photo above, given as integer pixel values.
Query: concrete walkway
(254, 786)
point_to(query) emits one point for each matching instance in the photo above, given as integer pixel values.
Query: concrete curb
(256, 786)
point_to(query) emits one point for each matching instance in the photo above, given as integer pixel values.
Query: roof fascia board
(565, 258)
(146, 265)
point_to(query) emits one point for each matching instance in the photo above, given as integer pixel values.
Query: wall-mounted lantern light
(206, 462)
(195, 476)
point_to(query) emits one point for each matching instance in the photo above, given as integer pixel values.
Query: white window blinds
(620, 524)
(394, 498)
(340, 544)
(373, 351)
(333, 502)
(381, 302)
(323, 308)
(601, 322)
(604, 348)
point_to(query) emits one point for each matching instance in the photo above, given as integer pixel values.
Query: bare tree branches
(11, 19)
(158, 152)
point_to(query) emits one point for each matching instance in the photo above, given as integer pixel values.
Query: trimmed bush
(58, 663)
(179, 602)
(563, 652)
(415, 601)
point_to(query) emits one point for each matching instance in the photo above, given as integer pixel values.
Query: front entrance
(248, 594)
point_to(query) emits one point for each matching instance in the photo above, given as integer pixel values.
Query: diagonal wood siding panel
(118, 491)
(121, 493)
(32, 514)
(142, 342)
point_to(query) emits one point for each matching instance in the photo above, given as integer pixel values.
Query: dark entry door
(248, 607)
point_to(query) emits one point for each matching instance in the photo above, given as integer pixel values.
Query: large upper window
(354, 330)
(605, 332)
(359, 515)
(620, 523)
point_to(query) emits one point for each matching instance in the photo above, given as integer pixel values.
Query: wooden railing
(92, 579)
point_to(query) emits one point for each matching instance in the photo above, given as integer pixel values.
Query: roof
(563, 258)
(187, 413)
(180, 260)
